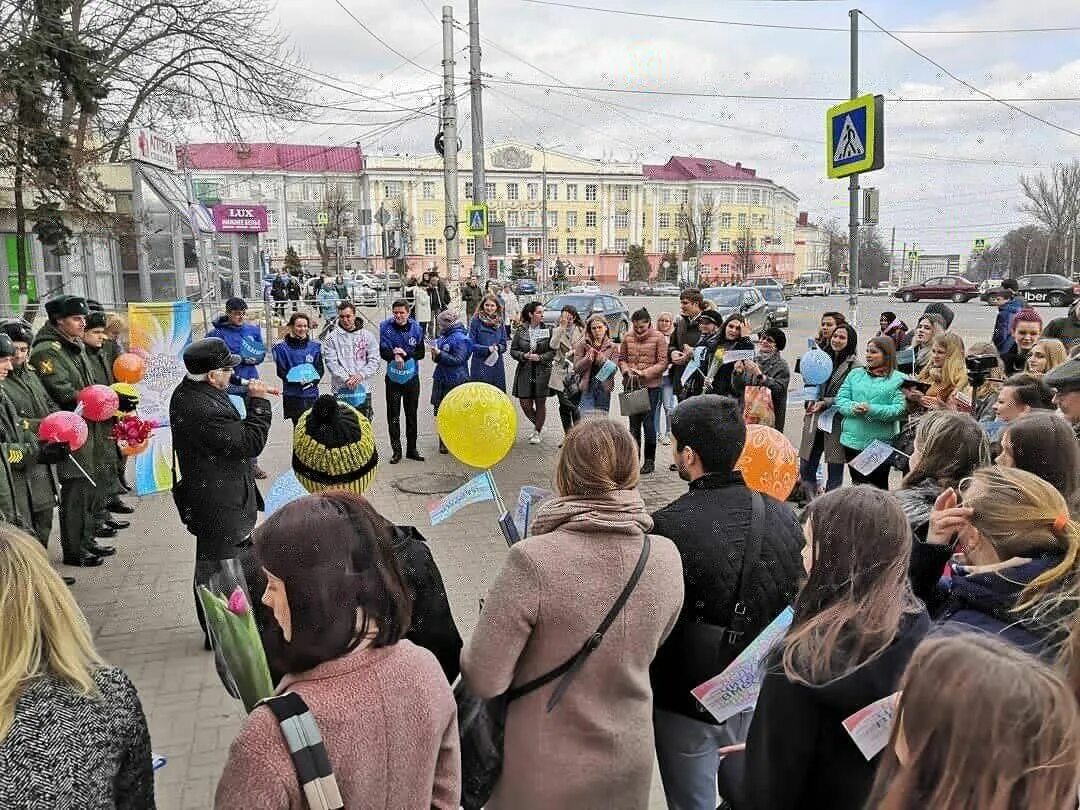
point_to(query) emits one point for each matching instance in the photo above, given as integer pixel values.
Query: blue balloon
(355, 397)
(284, 490)
(815, 367)
(304, 373)
(401, 375)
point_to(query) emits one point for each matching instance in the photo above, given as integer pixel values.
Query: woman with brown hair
(531, 348)
(1044, 444)
(595, 747)
(1047, 354)
(340, 613)
(1018, 557)
(590, 356)
(564, 340)
(980, 726)
(948, 447)
(855, 626)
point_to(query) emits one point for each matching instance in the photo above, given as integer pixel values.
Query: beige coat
(595, 749)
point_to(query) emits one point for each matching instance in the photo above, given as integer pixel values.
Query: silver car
(745, 300)
(777, 306)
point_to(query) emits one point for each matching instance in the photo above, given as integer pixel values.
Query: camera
(979, 367)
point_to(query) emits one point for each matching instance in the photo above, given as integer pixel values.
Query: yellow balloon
(478, 424)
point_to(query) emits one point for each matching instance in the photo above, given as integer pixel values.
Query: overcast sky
(941, 203)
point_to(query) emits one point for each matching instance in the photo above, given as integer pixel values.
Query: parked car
(361, 294)
(524, 286)
(1047, 288)
(764, 281)
(789, 289)
(777, 306)
(814, 282)
(587, 304)
(663, 289)
(940, 288)
(747, 300)
(634, 288)
(586, 287)
(391, 280)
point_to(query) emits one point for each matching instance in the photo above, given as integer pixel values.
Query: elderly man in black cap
(1065, 380)
(59, 357)
(216, 495)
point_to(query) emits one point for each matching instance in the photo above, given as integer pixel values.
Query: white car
(587, 287)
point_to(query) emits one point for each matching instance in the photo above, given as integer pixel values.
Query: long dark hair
(887, 348)
(847, 351)
(574, 316)
(334, 553)
(951, 447)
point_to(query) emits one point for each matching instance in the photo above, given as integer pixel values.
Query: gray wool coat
(834, 452)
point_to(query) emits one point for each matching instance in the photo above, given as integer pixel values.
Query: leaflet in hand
(875, 454)
(736, 355)
(693, 366)
(871, 726)
(605, 371)
(491, 359)
(826, 419)
(736, 688)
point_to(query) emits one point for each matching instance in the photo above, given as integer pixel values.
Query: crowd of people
(951, 587)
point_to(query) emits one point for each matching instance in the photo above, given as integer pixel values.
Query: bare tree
(744, 255)
(340, 223)
(1054, 200)
(696, 222)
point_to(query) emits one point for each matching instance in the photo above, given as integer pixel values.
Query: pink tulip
(238, 603)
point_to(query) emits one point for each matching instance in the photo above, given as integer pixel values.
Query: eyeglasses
(766, 339)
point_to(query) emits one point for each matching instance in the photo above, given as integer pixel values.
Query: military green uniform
(23, 388)
(104, 474)
(19, 448)
(64, 369)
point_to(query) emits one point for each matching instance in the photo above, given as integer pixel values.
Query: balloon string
(85, 475)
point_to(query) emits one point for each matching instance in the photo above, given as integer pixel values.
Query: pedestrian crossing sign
(476, 221)
(855, 136)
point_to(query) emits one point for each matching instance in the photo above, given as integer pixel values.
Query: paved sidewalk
(140, 605)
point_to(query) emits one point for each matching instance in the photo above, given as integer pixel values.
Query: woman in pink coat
(382, 705)
(595, 748)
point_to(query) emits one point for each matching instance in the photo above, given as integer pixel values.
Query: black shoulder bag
(482, 723)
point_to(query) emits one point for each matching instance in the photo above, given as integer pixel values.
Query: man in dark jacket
(711, 526)
(216, 496)
(60, 360)
(686, 335)
(440, 295)
(470, 297)
(279, 292)
(1007, 306)
(401, 341)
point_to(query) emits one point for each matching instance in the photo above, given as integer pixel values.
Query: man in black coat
(217, 497)
(710, 525)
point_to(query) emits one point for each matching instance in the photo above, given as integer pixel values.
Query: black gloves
(52, 452)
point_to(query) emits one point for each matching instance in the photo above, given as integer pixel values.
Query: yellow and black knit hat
(334, 448)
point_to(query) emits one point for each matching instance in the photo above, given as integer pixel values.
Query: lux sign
(236, 219)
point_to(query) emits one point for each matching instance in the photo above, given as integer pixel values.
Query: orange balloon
(134, 449)
(128, 368)
(769, 462)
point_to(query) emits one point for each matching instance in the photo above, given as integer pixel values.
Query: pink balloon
(64, 427)
(99, 402)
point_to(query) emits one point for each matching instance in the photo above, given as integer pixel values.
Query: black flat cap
(208, 354)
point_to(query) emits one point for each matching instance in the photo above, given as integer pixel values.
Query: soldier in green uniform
(26, 394)
(60, 360)
(108, 483)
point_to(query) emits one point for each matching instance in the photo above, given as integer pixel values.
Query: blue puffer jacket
(1003, 338)
(410, 338)
(290, 353)
(244, 340)
(451, 366)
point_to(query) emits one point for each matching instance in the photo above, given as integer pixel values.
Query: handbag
(634, 401)
(707, 649)
(302, 737)
(482, 722)
(758, 406)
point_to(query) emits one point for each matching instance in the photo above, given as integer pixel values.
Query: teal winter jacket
(886, 403)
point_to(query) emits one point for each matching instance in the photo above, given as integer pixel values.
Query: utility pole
(892, 254)
(853, 186)
(450, 147)
(202, 255)
(479, 184)
(365, 212)
(1072, 253)
(543, 222)
(902, 266)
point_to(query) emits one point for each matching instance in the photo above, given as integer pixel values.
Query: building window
(622, 219)
(622, 193)
(665, 245)
(552, 247)
(684, 196)
(533, 191)
(489, 191)
(511, 191)
(468, 189)
(621, 245)
(552, 191)
(725, 269)
(571, 219)
(707, 198)
(590, 219)
(393, 188)
(571, 191)
(470, 246)
(725, 246)
(742, 220)
(511, 219)
(532, 218)
(571, 246)
(664, 220)
(755, 196)
(431, 247)
(742, 195)
(757, 220)
(643, 220)
(725, 220)
(428, 190)
(553, 219)
(513, 246)
(680, 220)
(534, 245)
(429, 219)
(590, 192)
(706, 245)
(590, 246)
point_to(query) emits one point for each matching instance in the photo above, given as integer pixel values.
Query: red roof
(273, 157)
(695, 168)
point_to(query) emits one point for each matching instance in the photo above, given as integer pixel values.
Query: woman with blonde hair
(1018, 554)
(980, 726)
(856, 623)
(584, 739)
(946, 373)
(72, 729)
(1047, 354)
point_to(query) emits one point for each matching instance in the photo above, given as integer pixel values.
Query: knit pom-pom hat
(334, 448)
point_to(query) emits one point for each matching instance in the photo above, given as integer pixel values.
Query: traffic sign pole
(853, 187)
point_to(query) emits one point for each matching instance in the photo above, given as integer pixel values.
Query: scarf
(490, 320)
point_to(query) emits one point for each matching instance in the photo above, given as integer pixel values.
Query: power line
(969, 85)
(383, 42)
(789, 27)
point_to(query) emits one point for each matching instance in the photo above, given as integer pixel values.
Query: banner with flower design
(159, 334)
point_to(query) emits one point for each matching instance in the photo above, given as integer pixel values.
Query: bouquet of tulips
(238, 649)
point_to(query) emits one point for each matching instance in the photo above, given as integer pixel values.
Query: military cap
(7, 348)
(64, 306)
(95, 320)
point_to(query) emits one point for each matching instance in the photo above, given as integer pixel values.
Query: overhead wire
(383, 42)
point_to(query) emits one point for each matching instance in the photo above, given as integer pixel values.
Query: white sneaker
(535, 438)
